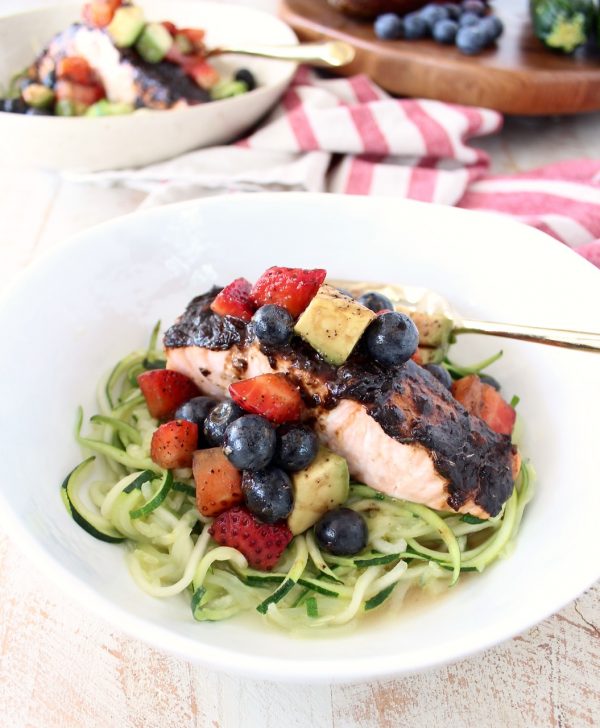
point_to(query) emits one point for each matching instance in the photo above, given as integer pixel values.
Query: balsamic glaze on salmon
(410, 405)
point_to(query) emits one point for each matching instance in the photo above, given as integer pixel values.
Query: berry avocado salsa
(114, 62)
(302, 451)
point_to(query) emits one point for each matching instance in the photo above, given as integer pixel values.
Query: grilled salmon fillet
(401, 431)
(126, 77)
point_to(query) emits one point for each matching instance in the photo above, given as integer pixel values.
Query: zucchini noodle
(170, 552)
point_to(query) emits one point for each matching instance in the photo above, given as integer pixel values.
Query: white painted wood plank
(26, 198)
(60, 666)
(76, 207)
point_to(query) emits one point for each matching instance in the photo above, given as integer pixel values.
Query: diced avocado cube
(109, 108)
(154, 42)
(67, 107)
(183, 44)
(227, 89)
(126, 26)
(333, 323)
(431, 355)
(319, 488)
(38, 95)
(434, 330)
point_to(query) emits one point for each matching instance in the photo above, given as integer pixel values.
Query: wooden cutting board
(518, 76)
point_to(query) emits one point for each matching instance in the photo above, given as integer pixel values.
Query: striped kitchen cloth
(348, 136)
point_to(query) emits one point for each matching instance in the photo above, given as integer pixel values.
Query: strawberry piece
(86, 95)
(99, 13)
(75, 69)
(271, 395)
(416, 357)
(165, 390)
(292, 288)
(195, 36)
(201, 71)
(173, 444)
(483, 401)
(261, 543)
(234, 300)
(218, 482)
(171, 27)
(175, 55)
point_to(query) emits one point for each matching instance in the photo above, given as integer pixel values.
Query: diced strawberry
(75, 69)
(261, 543)
(195, 36)
(292, 288)
(234, 300)
(171, 27)
(271, 395)
(416, 357)
(86, 95)
(173, 444)
(175, 55)
(218, 483)
(165, 390)
(201, 71)
(483, 401)
(99, 13)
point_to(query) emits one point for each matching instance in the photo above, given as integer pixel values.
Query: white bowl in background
(89, 144)
(94, 299)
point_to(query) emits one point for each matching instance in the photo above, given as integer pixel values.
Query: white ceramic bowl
(93, 300)
(89, 144)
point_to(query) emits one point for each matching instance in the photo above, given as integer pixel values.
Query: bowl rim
(182, 110)
(229, 661)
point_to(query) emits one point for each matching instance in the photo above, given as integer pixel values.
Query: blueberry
(196, 410)
(247, 77)
(392, 338)
(273, 325)
(492, 381)
(467, 19)
(342, 532)
(219, 419)
(474, 6)
(268, 494)
(453, 10)
(388, 26)
(492, 26)
(14, 106)
(440, 373)
(444, 31)
(471, 40)
(376, 301)
(296, 448)
(249, 442)
(415, 26)
(432, 14)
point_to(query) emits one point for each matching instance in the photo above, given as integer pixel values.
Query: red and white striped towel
(348, 136)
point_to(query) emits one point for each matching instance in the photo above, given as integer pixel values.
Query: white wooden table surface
(60, 666)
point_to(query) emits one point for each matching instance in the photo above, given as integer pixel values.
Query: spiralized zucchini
(170, 552)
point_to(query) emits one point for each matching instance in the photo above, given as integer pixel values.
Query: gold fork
(438, 322)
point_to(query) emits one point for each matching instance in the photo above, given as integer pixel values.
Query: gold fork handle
(582, 340)
(332, 53)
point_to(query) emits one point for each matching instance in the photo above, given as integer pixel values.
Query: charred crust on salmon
(199, 326)
(412, 406)
(409, 404)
